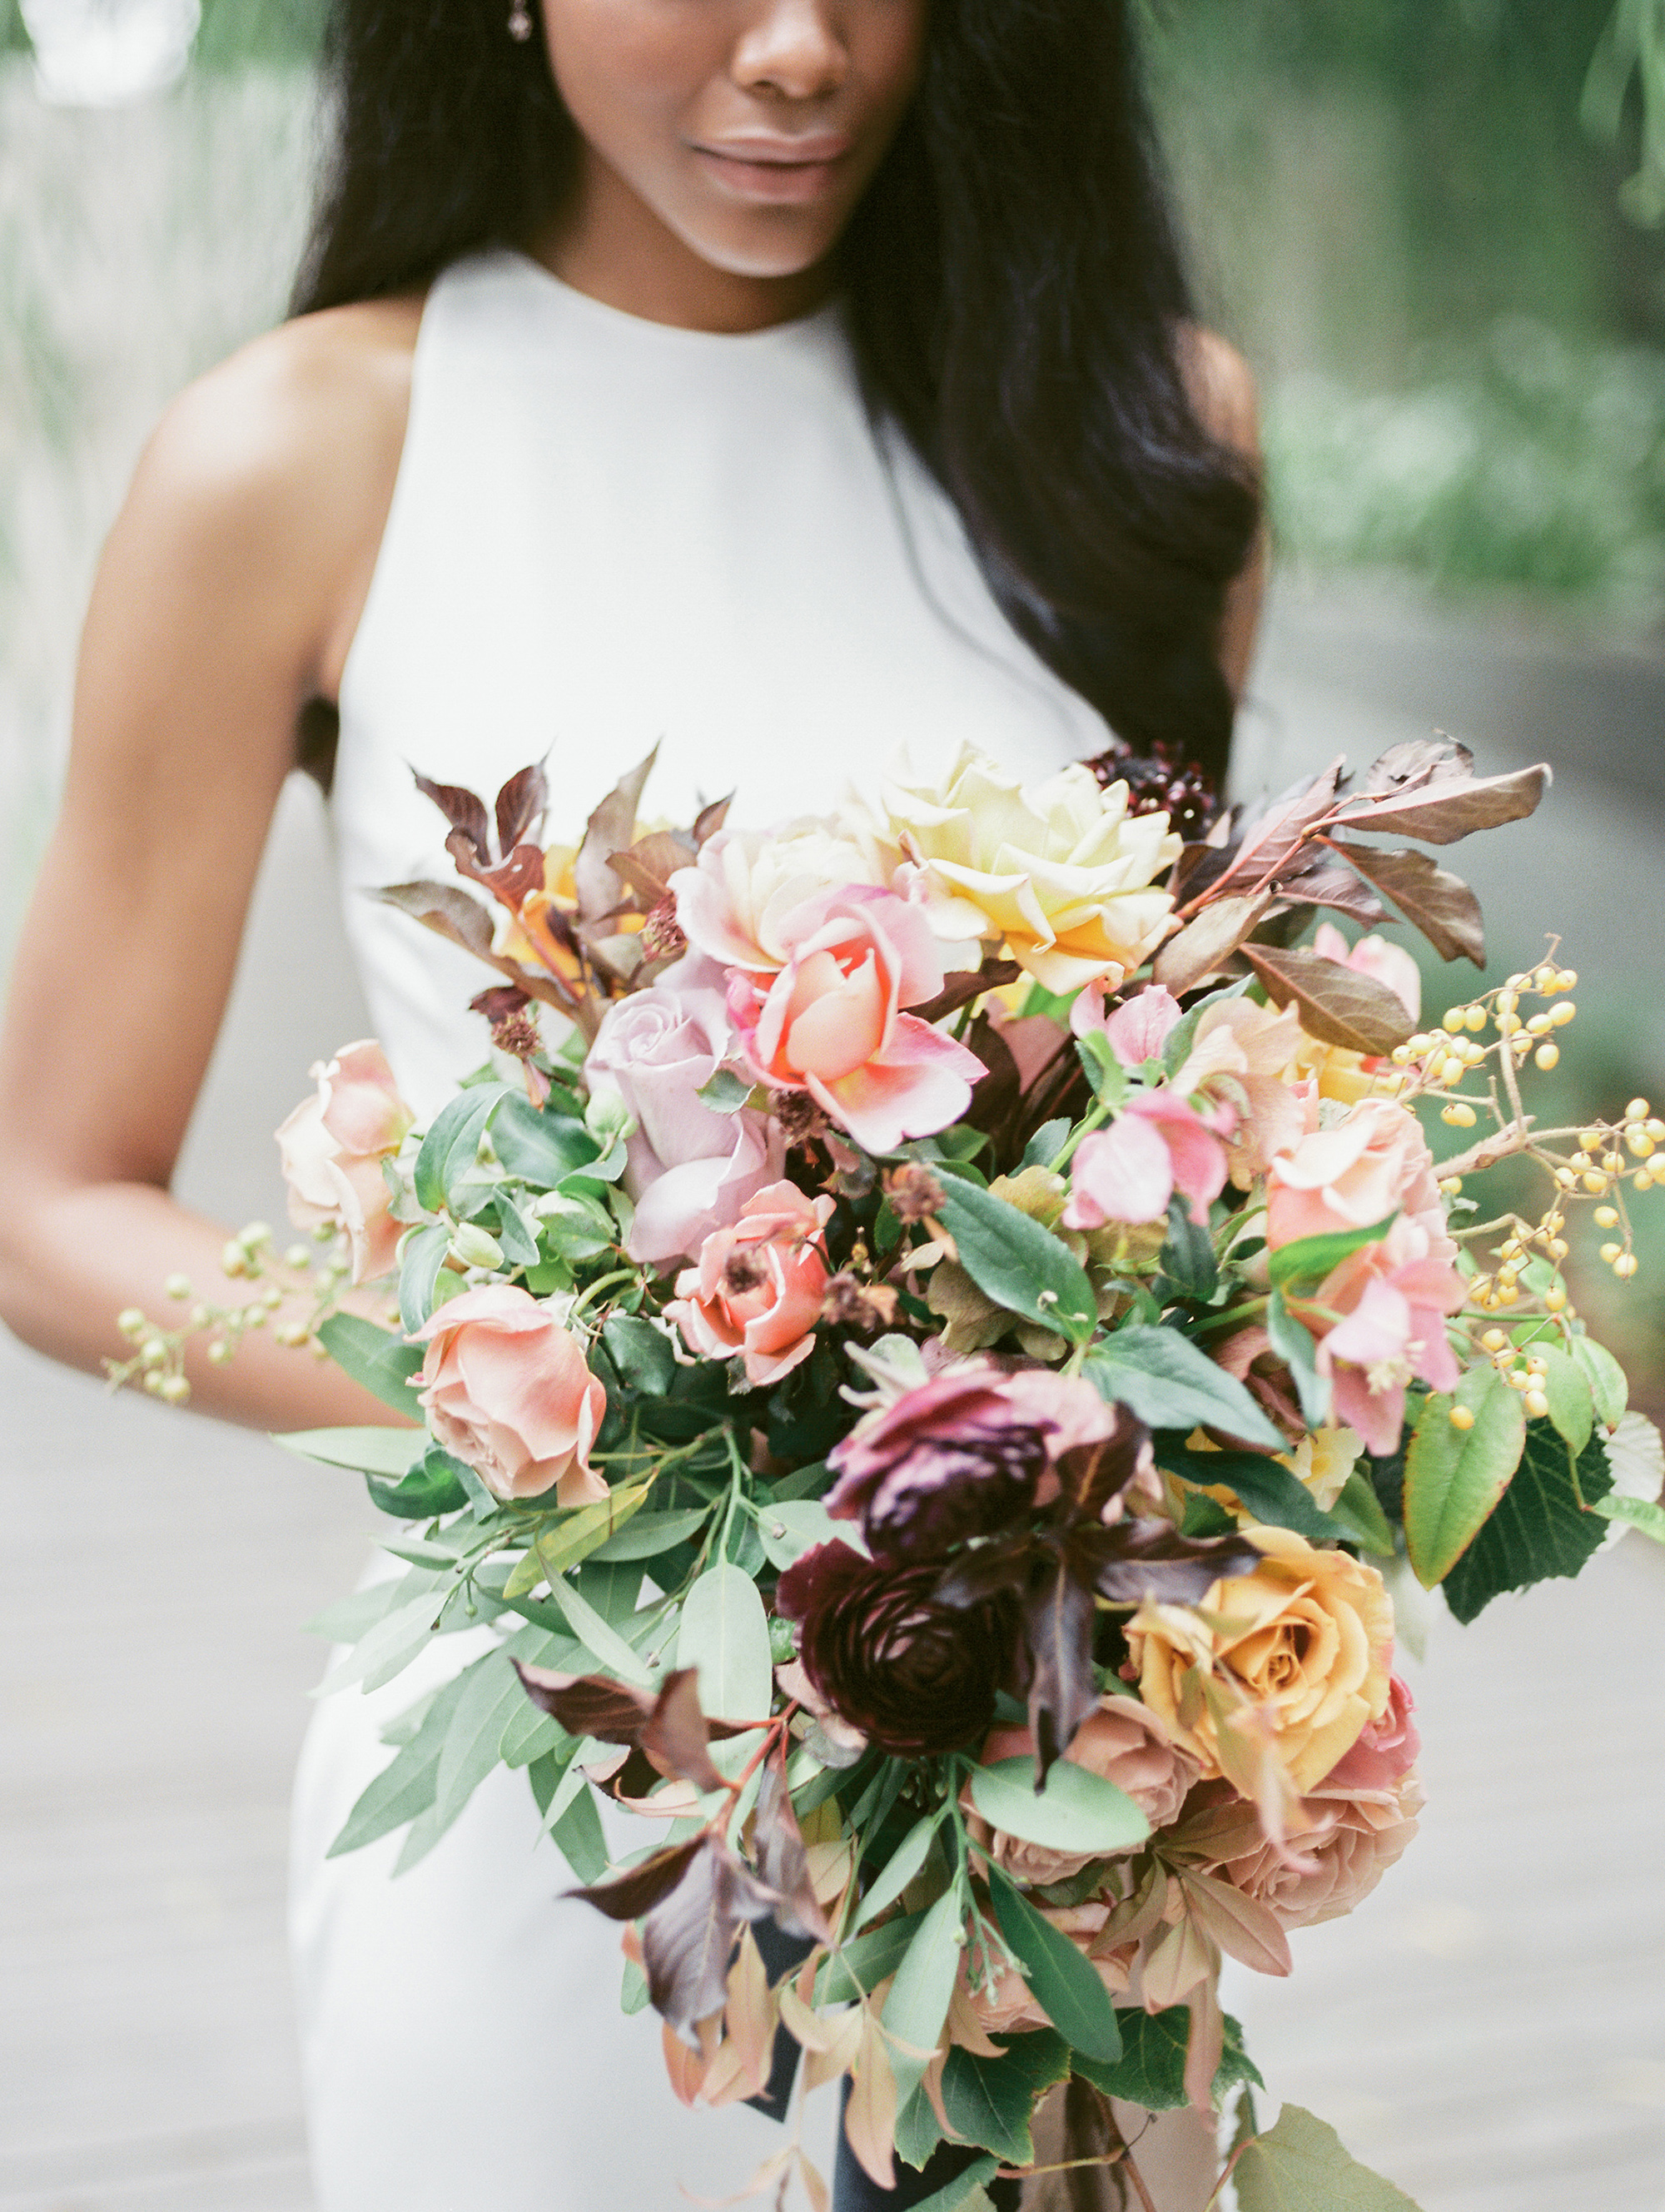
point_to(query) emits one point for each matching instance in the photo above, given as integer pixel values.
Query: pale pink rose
(507, 1391)
(757, 1288)
(1123, 1742)
(1391, 965)
(333, 1147)
(1374, 1163)
(1006, 2005)
(832, 1022)
(1159, 1144)
(1386, 1749)
(1138, 1029)
(1347, 1843)
(735, 904)
(691, 1169)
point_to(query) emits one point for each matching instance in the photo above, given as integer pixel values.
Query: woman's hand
(226, 600)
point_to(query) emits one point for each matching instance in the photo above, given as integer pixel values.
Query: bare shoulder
(1222, 387)
(275, 470)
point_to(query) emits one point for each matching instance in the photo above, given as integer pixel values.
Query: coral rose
(1123, 1742)
(1307, 1640)
(1246, 1055)
(691, 1169)
(1345, 1842)
(1374, 1163)
(332, 1146)
(833, 1021)
(507, 1390)
(1058, 869)
(757, 1288)
(737, 902)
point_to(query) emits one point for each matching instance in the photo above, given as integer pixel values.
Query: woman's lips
(782, 172)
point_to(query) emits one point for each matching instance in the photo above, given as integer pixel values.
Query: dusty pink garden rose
(1386, 1749)
(757, 1288)
(1138, 1029)
(333, 1147)
(1123, 1742)
(832, 1020)
(1350, 1840)
(1159, 1144)
(691, 1169)
(507, 1392)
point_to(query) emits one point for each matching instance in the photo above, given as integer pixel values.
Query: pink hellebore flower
(1393, 1298)
(1242, 1052)
(757, 1288)
(1160, 1144)
(831, 1022)
(507, 1390)
(1138, 1029)
(332, 1148)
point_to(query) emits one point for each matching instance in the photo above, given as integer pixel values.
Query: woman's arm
(227, 598)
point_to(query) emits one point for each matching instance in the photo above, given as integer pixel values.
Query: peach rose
(757, 1288)
(1345, 1843)
(1374, 1163)
(1005, 2006)
(507, 1390)
(332, 1146)
(1124, 1742)
(1306, 1641)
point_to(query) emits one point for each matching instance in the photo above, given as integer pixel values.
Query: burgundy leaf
(611, 828)
(1201, 865)
(710, 819)
(1418, 761)
(462, 810)
(509, 881)
(778, 1842)
(966, 984)
(499, 1002)
(687, 1940)
(674, 1733)
(979, 1575)
(520, 807)
(1212, 937)
(1451, 807)
(1441, 905)
(447, 911)
(1058, 1625)
(588, 1705)
(1138, 1559)
(995, 1096)
(1337, 888)
(1272, 841)
(1337, 1004)
(630, 1895)
(1093, 1474)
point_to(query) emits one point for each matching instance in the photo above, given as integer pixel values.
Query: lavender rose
(915, 1677)
(691, 1169)
(962, 1455)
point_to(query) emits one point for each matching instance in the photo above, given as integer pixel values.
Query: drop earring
(519, 22)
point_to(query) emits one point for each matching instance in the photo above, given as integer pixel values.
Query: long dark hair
(1018, 297)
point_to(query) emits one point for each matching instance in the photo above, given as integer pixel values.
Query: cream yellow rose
(1305, 1643)
(1059, 870)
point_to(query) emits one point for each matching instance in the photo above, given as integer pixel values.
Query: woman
(782, 380)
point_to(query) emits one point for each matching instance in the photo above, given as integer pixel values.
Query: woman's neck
(608, 243)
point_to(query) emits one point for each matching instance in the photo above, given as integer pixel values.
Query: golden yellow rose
(1303, 1647)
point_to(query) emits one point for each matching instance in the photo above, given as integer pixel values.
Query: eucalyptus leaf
(419, 1263)
(1078, 1811)
(857, 1968)
(387, 1452)
(648, 1535)
(790, 1529)
(724, 1632)
(903, 1863)
(382, 1362)
(918, 2003)
(1064, 1980)
(603, 1644)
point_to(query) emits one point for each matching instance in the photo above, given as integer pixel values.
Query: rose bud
(914, 1676)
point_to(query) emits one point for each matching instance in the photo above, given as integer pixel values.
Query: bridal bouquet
(940, 1335)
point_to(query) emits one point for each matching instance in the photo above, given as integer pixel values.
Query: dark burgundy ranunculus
(964, 1455)
(914, 1676)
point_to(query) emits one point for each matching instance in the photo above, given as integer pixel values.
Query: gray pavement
(1489, 2029)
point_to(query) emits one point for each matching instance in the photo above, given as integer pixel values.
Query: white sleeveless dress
(606, 534)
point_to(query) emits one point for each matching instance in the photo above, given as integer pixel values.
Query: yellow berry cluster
(158, 1361)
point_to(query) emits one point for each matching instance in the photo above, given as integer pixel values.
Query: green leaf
(918, 2132)
(990, 2101)
(790, 1529)
(918, 2003)
(641, 1353)
(1636, 1512)
(1607, 1381)
(1294, 1346)
(724, 1093)
(431, 1488)
(724, 1632)
(1189, 1269)
(1541, 1529)
(382, 1361)
(650, 1534)
(1571, 1394)
(405, 1786)
(1063, 1978)
(1017, 1262)
(1077, 1811)
(1044, 1146)
(1103, 1070)
(965, 2192)
(1151, 2072)
(493, 1696)
(367, 1451)
(580, 1839)
(1169, 1382)
(1301, 2165)
(1312, 1260)
(1236, 2065)
(603, 1644)
(452, 1145)
(576, 1535)
(858, 1967)
(420, 1264)
(1360, 1512)
(1272, 1493)
(539, 1148)
(903, 1863)
(1454, 1478)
